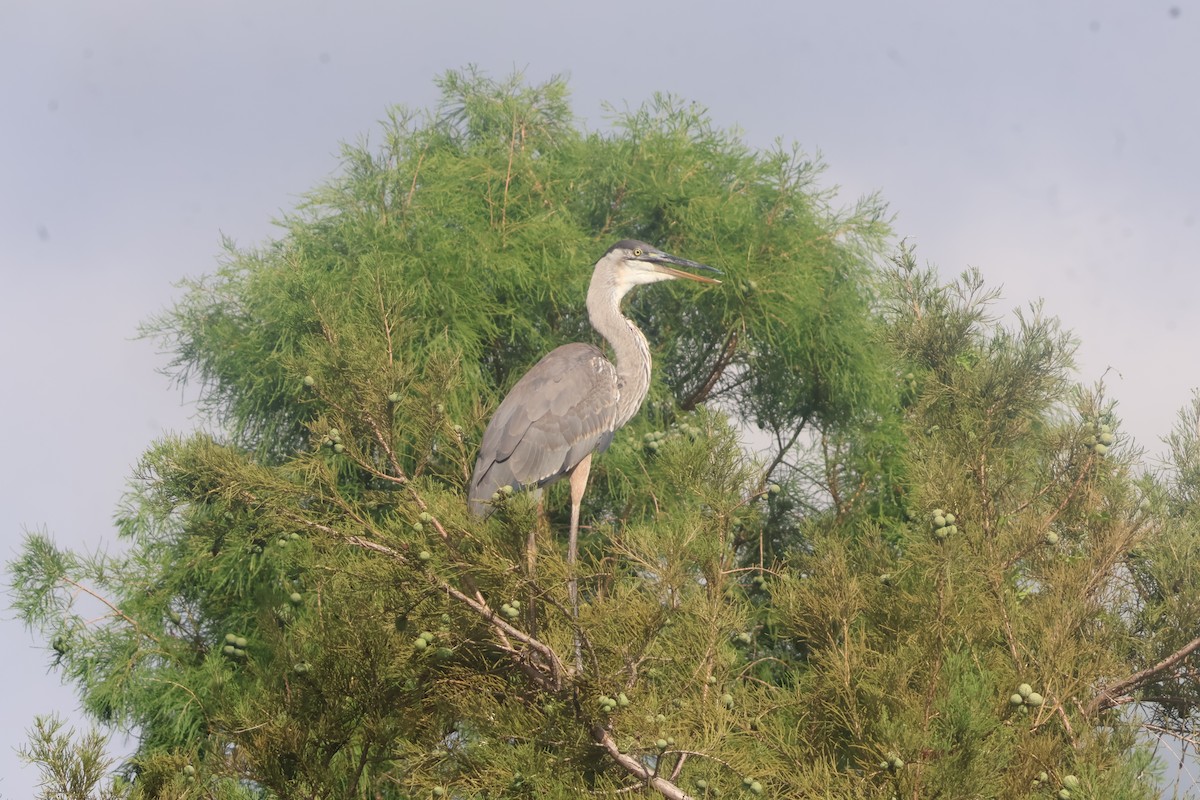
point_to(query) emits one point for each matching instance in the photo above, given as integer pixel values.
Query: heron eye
(637, 251)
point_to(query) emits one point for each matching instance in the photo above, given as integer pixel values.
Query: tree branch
(784, 449)
(1054, 515)
(1110, 695)
(553, 682)
(723, 361)
(118, 612)
(636, 768)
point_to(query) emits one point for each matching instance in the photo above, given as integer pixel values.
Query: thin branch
(1054, 515)
(1190, 739)
(1066, 721)
(985, 492)
(679, 762)
(378, 473)
(1009, 636)
(723, 361)
(96, 595)
(386, 444)
(784, 449)
(385, 318)
(416, 171)
(383, 441)
(512, 148)
(480, 606)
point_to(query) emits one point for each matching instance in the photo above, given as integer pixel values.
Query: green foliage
(460, 243)
(938, 518)
(73, 767)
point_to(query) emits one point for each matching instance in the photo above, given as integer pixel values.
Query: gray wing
(564, 408)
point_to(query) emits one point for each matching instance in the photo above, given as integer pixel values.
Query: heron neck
(631, 352)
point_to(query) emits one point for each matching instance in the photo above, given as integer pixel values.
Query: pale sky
(1052, 145)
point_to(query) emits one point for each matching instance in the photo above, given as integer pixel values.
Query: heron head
(634, 263)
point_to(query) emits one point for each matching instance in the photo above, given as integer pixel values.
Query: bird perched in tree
(570, 403)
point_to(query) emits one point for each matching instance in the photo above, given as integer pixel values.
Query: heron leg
(531, 543)
(531, 551)
(579, 479)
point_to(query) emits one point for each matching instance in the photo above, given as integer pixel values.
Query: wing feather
(564, 408)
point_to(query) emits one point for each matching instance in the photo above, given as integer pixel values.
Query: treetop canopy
(469, 234)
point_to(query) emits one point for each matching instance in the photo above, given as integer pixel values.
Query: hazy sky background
(1053, 145)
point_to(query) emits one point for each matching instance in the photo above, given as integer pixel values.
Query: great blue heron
(570, 403)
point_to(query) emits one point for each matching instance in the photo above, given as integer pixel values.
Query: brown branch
(831, 478)
(385, 443)
(785, 448)
(512, 148)
(1066, 721)
(679, 762)
(1009, 636)
(1049, 711)
(636, 768)
(1062, 506)
(1110, 695)
(378, 473)
(613, 205)
(553, 682)
(398, 475)
(935, 669)
(723, 361)
(96, 595)
(480, 606)
(985, 493)
(385, 319)
(1178, 734)
(416, 171)
(296, 518)
(437, 524)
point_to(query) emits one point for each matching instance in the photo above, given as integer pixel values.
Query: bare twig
(416, 171)
(784, 448)
(96, 595)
